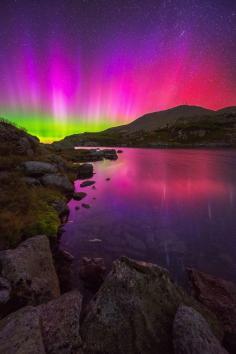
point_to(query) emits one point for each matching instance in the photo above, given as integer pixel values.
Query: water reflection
(171, 207)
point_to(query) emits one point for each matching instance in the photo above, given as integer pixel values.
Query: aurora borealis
(69, 66)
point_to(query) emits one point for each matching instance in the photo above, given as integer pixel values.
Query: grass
(26, 211)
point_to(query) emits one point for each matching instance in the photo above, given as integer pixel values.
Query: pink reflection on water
(171, 207)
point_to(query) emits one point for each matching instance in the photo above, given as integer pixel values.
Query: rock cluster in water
(137, 309)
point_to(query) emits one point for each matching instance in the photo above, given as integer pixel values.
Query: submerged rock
(38, 168)
(30, 271)
(85, 171)
(87, 183)
(86, 206)
(133, 311)
(79, 195)
(192, 334)
(20, 332)
(59, 181)
(92, 272)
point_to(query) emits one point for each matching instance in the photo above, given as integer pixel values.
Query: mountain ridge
(177, 126)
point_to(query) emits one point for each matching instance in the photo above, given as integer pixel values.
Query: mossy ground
(25, 210)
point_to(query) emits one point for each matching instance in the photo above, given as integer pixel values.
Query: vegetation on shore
(26, 210)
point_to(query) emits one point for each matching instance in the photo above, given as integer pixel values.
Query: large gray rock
(52, 328)
(38, 168)
(30, 271)
(60, 324)
(133, 311)
(58, 181)
(20, 333)
(219, 296)
(192, 334)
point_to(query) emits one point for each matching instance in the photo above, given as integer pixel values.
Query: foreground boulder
(133, 311)
(192, 334)
(59, 181)
(20, 333)
(60, 324)
(51, 328)
(38, 168)
(220, 297)
(85, 171)
(30, 271)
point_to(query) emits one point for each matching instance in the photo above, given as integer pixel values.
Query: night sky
(70, 66)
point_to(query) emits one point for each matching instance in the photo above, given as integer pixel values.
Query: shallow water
(176, 208)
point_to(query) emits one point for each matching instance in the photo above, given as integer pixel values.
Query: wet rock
(85, 171)
(20, 332)
(133, 311)
(67, 255)
(60, 324)
(58, 181)
(220, 297)
(79, 195)
(88, 155)
(87, 183)
(110, 154)
(30, 271)
(86, 206)
(38, 168)
(192, 334)
(92, 272)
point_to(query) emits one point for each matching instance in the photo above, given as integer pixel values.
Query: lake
(172, 207)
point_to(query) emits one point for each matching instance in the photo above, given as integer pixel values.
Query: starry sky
(69, 66)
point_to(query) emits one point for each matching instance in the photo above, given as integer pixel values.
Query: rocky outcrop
(85, 171)
(20, 333)
(30, 271)
(220, 297)
(59, 181)
(52, 328)
(192, 334)
(18, 140)
(38, 168)
(60, 324)
(133, 311)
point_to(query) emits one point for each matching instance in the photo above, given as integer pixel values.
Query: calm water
(176, 208)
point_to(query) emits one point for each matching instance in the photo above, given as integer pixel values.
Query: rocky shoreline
(136, 308)
(137, 302)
